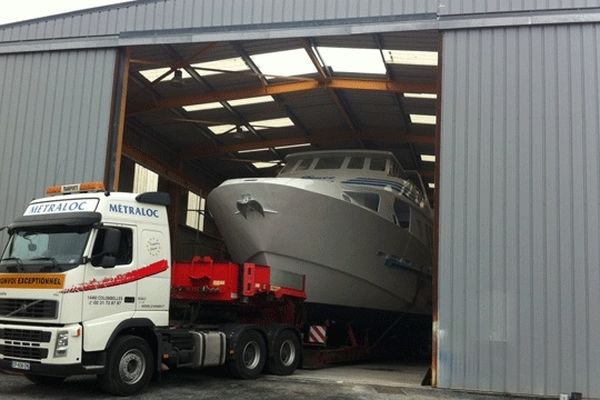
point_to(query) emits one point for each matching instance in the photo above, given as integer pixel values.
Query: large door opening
(200, 114)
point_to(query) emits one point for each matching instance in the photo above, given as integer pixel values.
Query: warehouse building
(495, 103)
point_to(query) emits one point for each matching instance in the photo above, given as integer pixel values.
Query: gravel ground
(212, 384)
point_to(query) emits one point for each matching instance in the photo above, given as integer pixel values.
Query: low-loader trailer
(87, 286)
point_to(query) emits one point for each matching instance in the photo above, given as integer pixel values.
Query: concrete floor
(374, 381)
(391, 374)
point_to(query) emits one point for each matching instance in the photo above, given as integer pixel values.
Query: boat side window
(419, 230)
(378, 164)
(429, 234)
(288, 167)
(124, 255)
(304, 164)
(329, 163)
(367, 200)
(402, 212)
(356, 163)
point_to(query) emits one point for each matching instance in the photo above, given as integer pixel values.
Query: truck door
(109, 292)
(153, 291)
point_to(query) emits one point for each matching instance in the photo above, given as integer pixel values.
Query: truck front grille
(25, 335)
(27, 308)
(34, 353)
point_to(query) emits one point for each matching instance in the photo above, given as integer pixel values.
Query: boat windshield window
(378, 164)
(402, 212)
(367, 200)
(395, 170)
(329, 163)
(356, 163)
(288, 167)
(304, 164)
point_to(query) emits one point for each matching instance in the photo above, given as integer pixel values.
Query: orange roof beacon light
(75, 188)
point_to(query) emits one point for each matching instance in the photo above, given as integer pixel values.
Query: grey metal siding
(181, 14)
(519, 269)
(453, 7)
(54, 122)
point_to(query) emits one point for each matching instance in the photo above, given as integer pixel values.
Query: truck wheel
(45, 380)
(128, 367)
(251, 354)
(286, 354)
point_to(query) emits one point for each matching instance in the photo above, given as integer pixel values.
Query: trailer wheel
(286, 354)
(128, 367)
(251, 353)
(45, 380)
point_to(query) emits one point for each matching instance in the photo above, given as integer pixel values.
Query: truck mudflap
(62, 370)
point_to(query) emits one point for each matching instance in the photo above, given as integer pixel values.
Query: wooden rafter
(380, 85)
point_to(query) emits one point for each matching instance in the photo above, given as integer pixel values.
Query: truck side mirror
(108, 262)
(111, 242)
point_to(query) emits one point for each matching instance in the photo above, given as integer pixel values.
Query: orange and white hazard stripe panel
(317, 334)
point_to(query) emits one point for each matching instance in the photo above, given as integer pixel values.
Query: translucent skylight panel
(219, 66)
(154, 74)
(428, 157)
(265, 164)
(203, 106)
(251, 100)
(362, 61)
(253, 150)
(411, 57)
(292, 146)
(423, 119)
(284, 63)
(221, 129)
(421, 95)
(272, 123)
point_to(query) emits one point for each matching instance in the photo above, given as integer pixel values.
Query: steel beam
(165, 171)
(211, 151)
(282, 88)
(337, 98)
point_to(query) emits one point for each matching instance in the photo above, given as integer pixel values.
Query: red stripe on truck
(121, 279)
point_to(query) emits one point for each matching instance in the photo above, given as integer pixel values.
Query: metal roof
(179, 21)
(329, 109)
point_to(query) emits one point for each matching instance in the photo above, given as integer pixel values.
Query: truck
(87, 286)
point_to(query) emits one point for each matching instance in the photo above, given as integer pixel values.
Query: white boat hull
(350, 256)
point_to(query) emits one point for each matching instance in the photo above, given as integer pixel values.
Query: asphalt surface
(213, 384)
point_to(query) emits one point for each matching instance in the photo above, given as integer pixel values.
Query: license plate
(21, 365)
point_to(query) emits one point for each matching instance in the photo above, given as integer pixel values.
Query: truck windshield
(48, 248)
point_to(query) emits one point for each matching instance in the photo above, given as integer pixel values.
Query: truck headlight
(62, 344)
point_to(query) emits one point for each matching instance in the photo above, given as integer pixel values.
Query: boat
(353, 222)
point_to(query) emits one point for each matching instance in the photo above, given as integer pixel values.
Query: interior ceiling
(328, 108)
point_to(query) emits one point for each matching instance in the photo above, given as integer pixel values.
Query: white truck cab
(85, 289)
(59, 273)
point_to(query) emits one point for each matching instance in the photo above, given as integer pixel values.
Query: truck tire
(128, 366)
(45, 380)
(286, 354)
(251, 354)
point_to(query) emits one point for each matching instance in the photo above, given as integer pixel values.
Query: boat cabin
(363, 175)
(368, 162)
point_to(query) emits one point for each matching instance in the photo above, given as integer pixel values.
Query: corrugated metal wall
(54, 122)
(491, 6)
(181, 14)
(519, 269)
